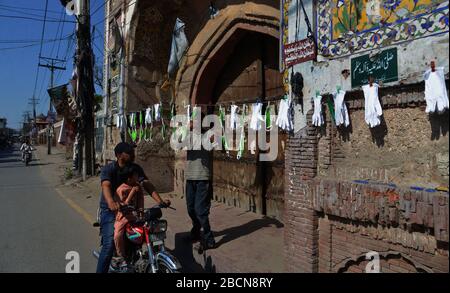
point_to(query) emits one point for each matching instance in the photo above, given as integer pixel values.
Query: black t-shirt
(110, 173)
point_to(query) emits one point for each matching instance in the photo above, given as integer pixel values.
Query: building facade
(354, 190)
(341, 192)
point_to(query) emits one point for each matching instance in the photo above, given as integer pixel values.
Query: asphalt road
(37, 227)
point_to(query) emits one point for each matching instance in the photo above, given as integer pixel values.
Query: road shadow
(236, 232)
(184, 252)
(9, 161)
(40, 164)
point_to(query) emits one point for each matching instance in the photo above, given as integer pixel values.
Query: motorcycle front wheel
(164, 268)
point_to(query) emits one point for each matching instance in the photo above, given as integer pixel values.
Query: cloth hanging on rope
(157, 112)
(341, 112)
(284, 119)
(234, 121)
(120, 121)
(268, 118)
(185, 128)
(172, 116)
(435, 91)
(132, 129)
(188, 112)
(141, 125)
(256, 119)
(179, 46)
(163, 129)
(373, 110)
(149, 116)
(241, 146)
(317, 118)
(222, 125)
(148, 121)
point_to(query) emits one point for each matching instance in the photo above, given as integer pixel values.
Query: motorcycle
(146, 252)
(27, 157)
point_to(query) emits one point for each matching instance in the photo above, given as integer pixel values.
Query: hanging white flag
(179, 46)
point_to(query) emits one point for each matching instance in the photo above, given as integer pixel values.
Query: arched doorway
(242, 66)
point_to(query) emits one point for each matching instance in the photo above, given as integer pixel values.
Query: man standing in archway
(198, 185)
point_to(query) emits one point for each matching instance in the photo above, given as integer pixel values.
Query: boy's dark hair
(126, 172)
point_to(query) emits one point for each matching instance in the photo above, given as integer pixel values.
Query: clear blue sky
(18, 66)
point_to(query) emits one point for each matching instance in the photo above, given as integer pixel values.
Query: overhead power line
(21, 13)
(40, 50)
(32, 18)
(28, 8)
(34, 41)
(98, 8)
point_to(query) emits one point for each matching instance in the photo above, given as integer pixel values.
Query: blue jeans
(107, 219)
(198, 202)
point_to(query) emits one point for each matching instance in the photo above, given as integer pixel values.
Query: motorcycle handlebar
(125, 208)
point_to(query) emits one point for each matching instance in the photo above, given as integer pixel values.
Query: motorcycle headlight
(159, 226)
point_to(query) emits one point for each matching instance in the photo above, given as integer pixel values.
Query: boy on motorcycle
(130, 194)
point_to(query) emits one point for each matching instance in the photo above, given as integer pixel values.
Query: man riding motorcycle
(26, 147)
(110, 181)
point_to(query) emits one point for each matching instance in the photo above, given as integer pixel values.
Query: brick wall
(359, 218)
(407, 141)
(301, 221)
(332, 222)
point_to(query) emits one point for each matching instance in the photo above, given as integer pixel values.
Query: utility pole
(26, 120)
(86, 88)
(34, 102)
(51, 65)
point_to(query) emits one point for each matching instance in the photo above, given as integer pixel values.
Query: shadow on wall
(439, 125)
(345, 132)
(379, 133)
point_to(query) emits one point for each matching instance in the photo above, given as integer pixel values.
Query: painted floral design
(350, 26)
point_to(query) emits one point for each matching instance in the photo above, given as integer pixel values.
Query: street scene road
(38, 228)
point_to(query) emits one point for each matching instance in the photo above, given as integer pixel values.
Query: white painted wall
(413, 60)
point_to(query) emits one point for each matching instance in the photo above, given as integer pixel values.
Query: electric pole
(33, 102)
(26, 120)
(85, 85)
(86, 88)
(51, 65)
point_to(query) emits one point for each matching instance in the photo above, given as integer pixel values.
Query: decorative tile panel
(348, 26)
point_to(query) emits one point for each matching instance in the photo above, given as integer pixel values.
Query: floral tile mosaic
(348, 26)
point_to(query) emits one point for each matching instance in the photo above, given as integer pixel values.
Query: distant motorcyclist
(26, 147)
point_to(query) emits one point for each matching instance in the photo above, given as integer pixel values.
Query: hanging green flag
(268, 118)
(222, 124)
(330, 104)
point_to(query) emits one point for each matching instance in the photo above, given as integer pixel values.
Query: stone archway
(253, 186)
(209, 48)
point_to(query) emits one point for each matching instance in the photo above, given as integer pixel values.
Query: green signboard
(383, 67)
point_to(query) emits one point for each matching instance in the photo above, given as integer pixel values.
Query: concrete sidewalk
(246, 242)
